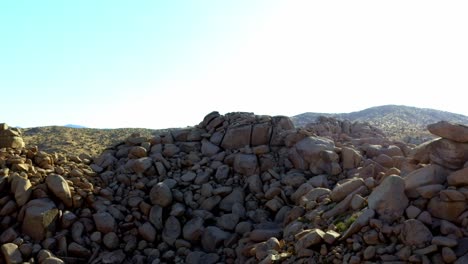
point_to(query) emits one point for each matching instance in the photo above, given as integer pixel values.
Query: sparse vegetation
(398, 122)
(78, 140)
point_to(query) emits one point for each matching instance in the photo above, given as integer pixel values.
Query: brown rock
(105, 222)
(362, 220)
(246, 164)
(77, 250)
(429, 191)
(415, 233)
(212, 237)
(111, 240)
(458, 178)
(172, 230)
(237, 137)
(161, 195)
(342, 190)
(209, 149)
(448, 255)
(21, 188)
(59, 187)
(193, 229)
(444, 129)
(446, 210)
(431, 174)
(444, 241)
(351, 158)
(389, 199)
(331, 236)
(308, 238)
(261, 134)
(448, 153)
(40, 218)
(236, 196)
(147, 232)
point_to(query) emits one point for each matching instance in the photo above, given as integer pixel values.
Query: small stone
(425, 217)
(11, 253)
(412, 212)
(415, 233)
(309, 238)
(113, 257)
(52, 260)
(77, 250)
(371, 237)
(104, 221)
(228, 221)
(111, 240)
(425, 251)
(331, 236)
(193, 229)
(357, 202)
(342, 190)
(8, 236)
(161, 195)
(189, 176)
(260, 235)
(444, 241)
(172, 230)
(212, 237)
(369, 253)
(236, 196)
(448, 255)
(458, 178)
(147, 232)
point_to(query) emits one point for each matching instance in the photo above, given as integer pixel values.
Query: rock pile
(241, 188)
(10, 137)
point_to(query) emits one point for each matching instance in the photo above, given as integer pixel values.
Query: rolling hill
(399, 122)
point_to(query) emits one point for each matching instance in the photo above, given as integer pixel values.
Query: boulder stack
(10, 137)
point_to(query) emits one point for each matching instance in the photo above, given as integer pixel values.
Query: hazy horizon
(152, 64)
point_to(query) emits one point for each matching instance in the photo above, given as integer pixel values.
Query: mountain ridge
(400, 122)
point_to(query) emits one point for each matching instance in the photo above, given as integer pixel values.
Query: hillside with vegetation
(397, 121)
(73, 140)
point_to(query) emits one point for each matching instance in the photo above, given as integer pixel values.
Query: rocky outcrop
(239, 188)
(10, 137)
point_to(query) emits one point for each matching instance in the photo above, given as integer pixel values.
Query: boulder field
(240, 188)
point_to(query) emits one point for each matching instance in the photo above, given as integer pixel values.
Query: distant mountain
(397, 121)
(74, 126)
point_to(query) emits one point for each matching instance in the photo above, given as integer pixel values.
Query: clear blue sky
(168, 63)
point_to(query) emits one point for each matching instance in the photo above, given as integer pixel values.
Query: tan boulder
(351, 158)
(246, 164)
(40, 216)
(415, 233)
(21, 188)
(448, 153)
(455, 132)
(389, 199)
(429, 175)
(59, 187)
(458, 178)
(11, 253)
(448, 210)
(237, 137)
(342, 190)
